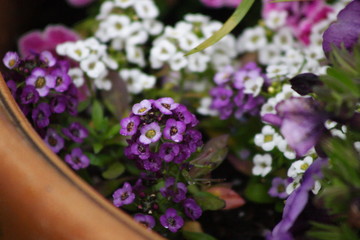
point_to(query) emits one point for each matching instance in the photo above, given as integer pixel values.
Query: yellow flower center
(150, 134)
(40, 82)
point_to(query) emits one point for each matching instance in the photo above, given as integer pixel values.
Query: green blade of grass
(228, 26)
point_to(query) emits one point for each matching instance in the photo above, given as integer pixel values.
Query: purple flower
(185, 115)
(166, 105)
(177, 193)
(11, 60)
(152, 163)
(221, 97)
(58, 104)
(47, 58)
(29, 95)
(171, 220)
(346, 30)
(224, 75)
(53, 140)
(192, 209)
(12, 86)
(278, 187)
(37, 41)
(168, 151)
(147, 220)
(141, 108)
(77, 159)
(76, 132)
(140, 150)
(41, 81)
(124, 195)
(241, 76)
(296, 202)
(72, 104)
(41, 114)
(301, 122)
(185, 153)
(129, 125)
(79, 3)
(193, 139)
(150, 133)
(174, 130)
(62, 80)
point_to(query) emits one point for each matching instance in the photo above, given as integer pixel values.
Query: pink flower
(301, 15)
(221, 3)
(37, 41)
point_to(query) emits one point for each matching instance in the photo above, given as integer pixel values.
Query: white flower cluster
(296, 172)
(127, 25)
(170, 47)
(93, 61)
(136, 81)
(262, 164)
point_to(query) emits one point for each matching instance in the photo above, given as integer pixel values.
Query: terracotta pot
(42, 198)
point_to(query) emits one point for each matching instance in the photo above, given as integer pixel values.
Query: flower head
(262, 164)
(150, 133)
(278, 187)
(141, 108)
(11, 60)
(54, 141)
(192, 209)
(124, 195)
(41, 80)
(77, 159)
(166, 105)
(62, 80)
(147, 220)
(129, 125)
(29, 95)
(76, 132)
(41, 114)
(171, 220)
(174, 130)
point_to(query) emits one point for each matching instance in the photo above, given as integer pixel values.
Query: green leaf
(212, 155)
(83, 105)
(97, 115)
(113, 131)
(228, 26)
(97, 147)
(197, 235)
(114, 171)
(208, 201)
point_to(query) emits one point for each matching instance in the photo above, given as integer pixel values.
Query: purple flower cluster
(231, 95)
(45, 93)
(162, 138)
(161, 125)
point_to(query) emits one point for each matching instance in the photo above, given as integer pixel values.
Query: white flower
(198, 62)
(93, 67)
(315, 53)
(77, 51)
(197, 18)
(124, 3)
(62, 48)
(116, 26)
(103, 84)
(262, 164)
(163, 50)
(210, 28)
(269, 107)
(77, 75)
(284, 39)
(286, 93)
(180, 30)
(146, 9)
(204, 108)
(316, 188)
(253, 85)
(117, 43)
(269, 54)
(105, 10)
(135, 55)
(136, 34)
(136, 81)
(153, 27)
(299, 167)
(109, 62)
(178, 61)
(253, 39)
(293, 185)
(267, 139)
(276, 72)
(357, 146)
(96, 48)
(146, 81)
(286, 150)
(330, 124)
(275, 19)
(188, 41)
(338, 133)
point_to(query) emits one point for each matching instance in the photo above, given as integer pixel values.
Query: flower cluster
(237, 92)
(45, 93)
(162, 137)
(170, 47)
(93, 60)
